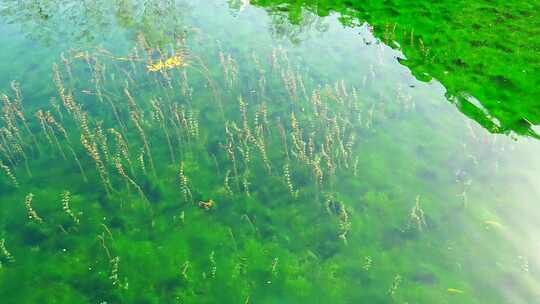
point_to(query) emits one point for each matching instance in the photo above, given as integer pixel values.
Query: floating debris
(169, 63)
(206, 205)
(80, 55)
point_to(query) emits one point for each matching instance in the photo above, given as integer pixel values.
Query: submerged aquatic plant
(417, 215)
(114, 277)
(32, 214)
(120, 169)
(184, 270)
(311, 137)
(9, 174)
(7, 255)
(66, 199)
(184, 184)
(395, 284)
(288, 181)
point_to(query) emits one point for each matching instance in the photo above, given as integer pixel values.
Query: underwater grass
(312, 201)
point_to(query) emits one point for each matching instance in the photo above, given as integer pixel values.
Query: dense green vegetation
(485, 53)
(184, 152)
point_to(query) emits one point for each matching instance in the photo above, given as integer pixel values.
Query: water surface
(266, 152)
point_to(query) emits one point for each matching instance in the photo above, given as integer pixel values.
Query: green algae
(263, 243)
(484, 49)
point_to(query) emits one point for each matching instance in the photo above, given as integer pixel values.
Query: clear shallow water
(338, 178)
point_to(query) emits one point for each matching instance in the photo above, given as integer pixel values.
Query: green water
(269, 152)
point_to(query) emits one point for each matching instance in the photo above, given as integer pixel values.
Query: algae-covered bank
(184, 151)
